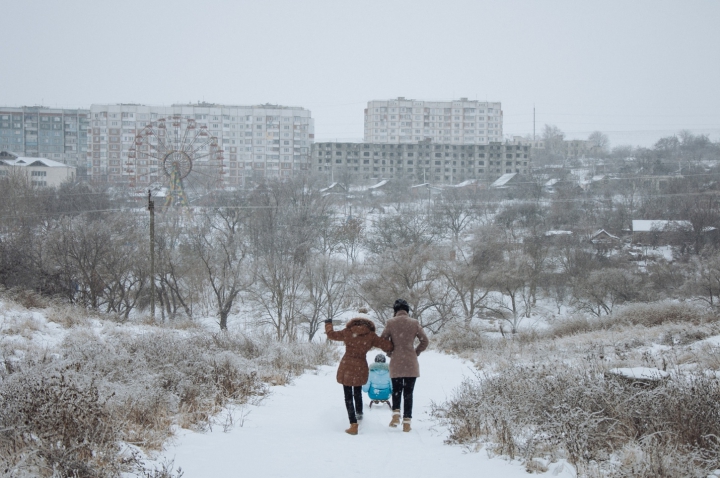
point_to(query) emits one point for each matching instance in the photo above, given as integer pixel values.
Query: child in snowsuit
(359, 337)
(379, 385)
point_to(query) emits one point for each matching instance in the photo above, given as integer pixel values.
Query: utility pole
(533, 122)
(151, 208)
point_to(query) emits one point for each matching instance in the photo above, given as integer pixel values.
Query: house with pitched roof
(41, 172)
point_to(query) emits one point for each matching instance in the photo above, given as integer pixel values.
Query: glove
(328, 321)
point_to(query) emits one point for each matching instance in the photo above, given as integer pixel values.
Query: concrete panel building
(36, 131)
(403, 121)
(261, 141)
(424, 162)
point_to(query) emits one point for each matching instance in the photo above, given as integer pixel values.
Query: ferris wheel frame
(172, 148)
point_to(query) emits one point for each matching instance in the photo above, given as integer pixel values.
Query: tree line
(291, 257)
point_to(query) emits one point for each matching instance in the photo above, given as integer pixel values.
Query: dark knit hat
(401, 304)
(380, 358)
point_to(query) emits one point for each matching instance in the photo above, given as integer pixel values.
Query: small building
(505, 180)
(40, 172)
(654, 231)
(334, 188)
(381, 186)
(601, 236)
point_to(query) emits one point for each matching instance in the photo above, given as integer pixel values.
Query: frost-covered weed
(54, 417)
(588, 416)
(458, 338)
(27, 298)
(66, 315)
(548, 395)
(132, 386)
(647, 315)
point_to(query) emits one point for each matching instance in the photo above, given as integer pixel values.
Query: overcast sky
(637, 70)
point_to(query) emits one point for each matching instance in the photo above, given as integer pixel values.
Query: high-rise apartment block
(403, 121)
(36, 131)
(258, 141)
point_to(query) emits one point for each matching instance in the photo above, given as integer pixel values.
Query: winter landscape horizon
(192, 191)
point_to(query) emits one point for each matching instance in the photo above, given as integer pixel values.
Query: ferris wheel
(178, 155)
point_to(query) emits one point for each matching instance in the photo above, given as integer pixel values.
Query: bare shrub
(684, 335)
(578, 412)
(458, 338)
(646, 315)
(166, 470)
(658, 313)
(23, 324)
(27, 298)
(66, 315)
(576, 324)
(100, 390)
(55, 419)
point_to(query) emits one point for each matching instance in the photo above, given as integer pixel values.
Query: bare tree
(395, 231)
(404, 272)
(453, 212)
(468, 276)
(509, 280)
(599, 142)
(324, 293)
(218, 246)
(703, 282)
(283, 231)
(350, 236)
(80, 248)
(175, 273)
(602, 289)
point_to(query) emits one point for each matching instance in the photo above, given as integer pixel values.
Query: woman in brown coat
(359, 337)
(402, 330)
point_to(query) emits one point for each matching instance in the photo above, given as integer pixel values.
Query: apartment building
(53, 133)
(261, 141)
(403, 121)
(424, 162)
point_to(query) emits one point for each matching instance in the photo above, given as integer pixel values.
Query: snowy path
(299, 432)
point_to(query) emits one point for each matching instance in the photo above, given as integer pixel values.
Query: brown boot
(406, 425)
(395, 419)
(353, 430)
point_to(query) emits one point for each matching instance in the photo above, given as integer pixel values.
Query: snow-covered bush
(68, 410)
(52, 417)
(647, 315)
(458, 338)
(595, 421)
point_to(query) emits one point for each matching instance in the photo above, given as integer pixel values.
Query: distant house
(655, 231)
(381, 186)
(604, 241)
(506, 180)
(336, 188)
(470, 183)
(601, 236)
(40, 172)
(549, 186)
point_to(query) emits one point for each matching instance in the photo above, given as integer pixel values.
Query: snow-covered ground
(299, 432)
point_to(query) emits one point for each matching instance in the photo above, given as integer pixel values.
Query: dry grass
(67, 315)
(646, 315)
(588, 417)
(134, 387)
(545, 395)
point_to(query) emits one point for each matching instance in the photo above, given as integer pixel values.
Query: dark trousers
(352, 409)
(403, 386)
